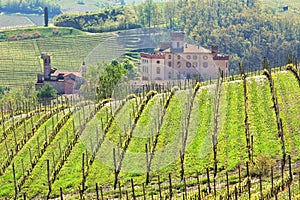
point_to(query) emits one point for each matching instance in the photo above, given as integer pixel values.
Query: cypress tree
(46, 16)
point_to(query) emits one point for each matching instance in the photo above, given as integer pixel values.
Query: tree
(3, 90)
(46, 93)
(112, 74)
(132, 70)
(46, 19)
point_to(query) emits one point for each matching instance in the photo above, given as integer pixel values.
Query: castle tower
(83, 69)
(177, 39)
(47, 66)
(214, 49)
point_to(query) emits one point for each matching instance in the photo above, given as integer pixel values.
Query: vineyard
(232, 138)
(20, 61)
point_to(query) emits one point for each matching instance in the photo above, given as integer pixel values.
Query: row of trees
(30, 7)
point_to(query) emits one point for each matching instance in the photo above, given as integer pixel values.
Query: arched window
(188, 64)
(170, 56)
(169, 75)
(170, 64)
(157, 70)
(178, 64)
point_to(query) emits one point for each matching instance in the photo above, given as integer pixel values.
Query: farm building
(64, 82)
(179, 60)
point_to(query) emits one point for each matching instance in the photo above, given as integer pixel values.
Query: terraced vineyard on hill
(181, 143)
(20, 61)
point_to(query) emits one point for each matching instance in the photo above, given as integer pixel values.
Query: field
(181, 143)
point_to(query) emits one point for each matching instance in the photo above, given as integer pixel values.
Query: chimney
(177, 36)
(214, 49)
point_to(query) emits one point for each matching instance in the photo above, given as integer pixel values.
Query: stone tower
(47, 66)
(177, 39)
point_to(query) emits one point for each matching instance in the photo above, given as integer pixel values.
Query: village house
(179, 60)
(64, 82)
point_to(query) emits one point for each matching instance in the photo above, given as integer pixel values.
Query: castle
(64, 82)
(179, 60)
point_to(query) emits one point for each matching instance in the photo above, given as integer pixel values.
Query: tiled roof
(190, 48)
(66, 73)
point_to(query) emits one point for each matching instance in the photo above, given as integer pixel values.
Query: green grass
(134, 164)
(232, 149)
(70, 176)
(170, 142)
(24, 155)
(19, 136)
(262, 119)
(200, 131)
(36, 184)
(101, 171)
(288, 96)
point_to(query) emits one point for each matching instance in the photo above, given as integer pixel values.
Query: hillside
(20, 60)
(181, 142)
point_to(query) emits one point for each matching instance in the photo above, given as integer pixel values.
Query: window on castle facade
(157, 70)
(188, 64)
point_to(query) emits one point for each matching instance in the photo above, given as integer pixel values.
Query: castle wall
(59, 86)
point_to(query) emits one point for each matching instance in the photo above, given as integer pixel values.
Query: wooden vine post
(15, 180)
(147, 165)
(83, 176)
(48, 177)
(170, 186)
(132, 188)
(159, 187)
(208, 180)
(115, 168)
(97, 191)
(248, 180)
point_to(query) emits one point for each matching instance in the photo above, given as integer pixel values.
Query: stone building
(179, 60)
(64, 82)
